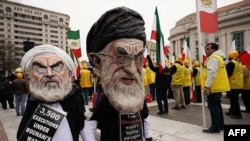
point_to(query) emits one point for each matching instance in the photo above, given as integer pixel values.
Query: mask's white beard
(50, 92)
(125, 98)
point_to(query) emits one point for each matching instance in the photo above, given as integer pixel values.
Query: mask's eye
(41, 70)
(57, 69)
(139, 60)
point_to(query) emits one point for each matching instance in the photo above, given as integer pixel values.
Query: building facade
(19, 23)
(233, 21)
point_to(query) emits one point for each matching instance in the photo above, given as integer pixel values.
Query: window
(8, 9)
(239, 41)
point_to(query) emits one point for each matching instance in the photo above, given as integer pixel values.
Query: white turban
(46, 48)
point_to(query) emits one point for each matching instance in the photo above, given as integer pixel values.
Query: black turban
(120, 22)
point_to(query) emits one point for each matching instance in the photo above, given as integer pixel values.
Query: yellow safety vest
(246, 79)
(177, 77)
(187, 77)
(220, 83)
(150, 76)
(198, 77)
(236, 79)
(85, 79)
(145, 80)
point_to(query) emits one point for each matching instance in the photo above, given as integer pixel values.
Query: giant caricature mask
(48, 74)
(115, 46)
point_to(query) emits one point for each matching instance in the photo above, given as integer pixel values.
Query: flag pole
(200, 59)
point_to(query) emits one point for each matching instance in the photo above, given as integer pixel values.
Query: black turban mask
(120, 22)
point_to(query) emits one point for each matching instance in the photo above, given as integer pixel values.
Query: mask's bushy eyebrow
(42, 66)
(56, 64)
(122, 51)
(38, 64)
(140, 53)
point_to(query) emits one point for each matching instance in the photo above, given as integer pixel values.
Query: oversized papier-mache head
(49, 70)
(120, 22)
(115, 46)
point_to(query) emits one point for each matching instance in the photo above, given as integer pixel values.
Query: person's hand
(206, 91)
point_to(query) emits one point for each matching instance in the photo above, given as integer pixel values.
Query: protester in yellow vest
(145, 81)
(215, 82)
(151, 81)
(235, 75)
(85, 82)
(197, 80)
(186, 82)
(245, 94)
(177, 72)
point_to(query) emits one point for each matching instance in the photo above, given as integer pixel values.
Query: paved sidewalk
(163, 129)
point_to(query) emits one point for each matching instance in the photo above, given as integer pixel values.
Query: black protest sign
(131, 127)
(43, 124)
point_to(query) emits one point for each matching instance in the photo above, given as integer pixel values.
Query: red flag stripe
(212, 25)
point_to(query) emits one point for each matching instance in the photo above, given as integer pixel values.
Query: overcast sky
(83, 13)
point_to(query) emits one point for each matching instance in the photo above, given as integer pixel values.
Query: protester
(235, 75)
(6, 94)
(20, 89)
(162, 84)
(151, 81)
(187, 82)
(177, 72)
(197, 81)
(85, 82)
(245, 94)
(115, 47)
(55, 103)
(215, 82)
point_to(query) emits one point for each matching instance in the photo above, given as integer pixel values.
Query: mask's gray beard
(125, 98)
(50, 92)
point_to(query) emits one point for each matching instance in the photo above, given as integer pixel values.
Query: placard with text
(131, 127)
(43, 124)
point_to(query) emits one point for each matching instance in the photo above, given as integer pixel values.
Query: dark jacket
(73, 105)
(162, 79)
(5, 86)
(20, 86)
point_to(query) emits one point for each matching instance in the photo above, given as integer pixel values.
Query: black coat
(162, 79)
(108, 119)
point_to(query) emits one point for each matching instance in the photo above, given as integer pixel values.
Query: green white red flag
(74, 42)
(157, 36)
(186, 53)
(75, 48)
(204, 56)
(208, 15)
(233, 46)
(244, 57)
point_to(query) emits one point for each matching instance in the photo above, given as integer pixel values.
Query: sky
(83, 13)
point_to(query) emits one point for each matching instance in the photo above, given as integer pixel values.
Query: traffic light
(28, 45)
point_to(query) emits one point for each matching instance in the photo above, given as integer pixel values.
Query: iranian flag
(172, 58)
(233, 46)
(166, 50)
(145, 60)
(157, 36)
(77, 66)
(74, 42)
(186, 53)
(244, 57)
(207, 11)
(204, 56)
